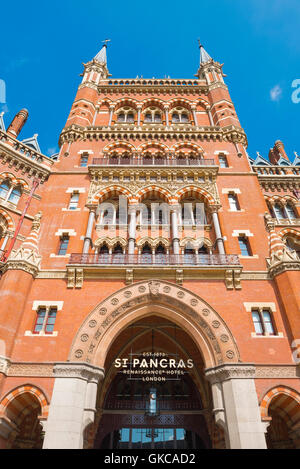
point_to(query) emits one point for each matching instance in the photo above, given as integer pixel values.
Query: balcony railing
(143, 405)
(152, 162)
(157, 259)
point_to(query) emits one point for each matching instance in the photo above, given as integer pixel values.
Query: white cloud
(276, 93)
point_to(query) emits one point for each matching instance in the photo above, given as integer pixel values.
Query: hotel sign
(153, 366)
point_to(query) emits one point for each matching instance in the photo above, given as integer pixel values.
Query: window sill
(267, 336)
(41, 334)
(60, 257)
(237, 211)
(256, 256)
(71, 210)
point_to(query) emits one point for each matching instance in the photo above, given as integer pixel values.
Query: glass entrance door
(153, 438)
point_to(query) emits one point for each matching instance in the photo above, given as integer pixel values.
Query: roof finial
(106, 41)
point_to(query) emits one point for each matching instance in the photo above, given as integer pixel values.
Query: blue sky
(43, 47)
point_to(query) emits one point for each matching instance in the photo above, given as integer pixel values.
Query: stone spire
(96, 69)
(204, 56)
(27, 257)
(209, 68)
(101, 56)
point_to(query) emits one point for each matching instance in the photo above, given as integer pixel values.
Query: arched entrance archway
(171, 302)
(77, 381)
(157, 407)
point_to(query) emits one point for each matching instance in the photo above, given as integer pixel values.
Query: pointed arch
(8, 219)
(158, 147)
(158, 191)
(195, 190)
(285, 401)
(23, 394)
(110, 191)
(114, 314)
(191, 148)
(119, 147)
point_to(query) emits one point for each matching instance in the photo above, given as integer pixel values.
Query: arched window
(126, 115)
(292, 246)
(189, 255)
(15, 195)
(175, 118)
(146, 254)
(130, 117)
(121, 117)
(153, 116)
(104, 250)
(278, 212)
(290, 211)
(180, 116)
(4, 189)
(118, 249)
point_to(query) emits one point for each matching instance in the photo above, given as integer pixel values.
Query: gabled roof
(283, 162)
(296, 161)
(32, 142)
(260, 161)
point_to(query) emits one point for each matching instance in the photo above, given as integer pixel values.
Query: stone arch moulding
(27, 389)
(203, 324)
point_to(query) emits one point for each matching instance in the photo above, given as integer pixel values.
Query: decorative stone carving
(179, 276)
(77, 370)
(225, 372)
(154, 288)
(170, 294)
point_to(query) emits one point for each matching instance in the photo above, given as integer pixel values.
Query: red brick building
(149, 274)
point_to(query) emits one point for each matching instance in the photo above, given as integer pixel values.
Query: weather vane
(199, 42)
(106, 41)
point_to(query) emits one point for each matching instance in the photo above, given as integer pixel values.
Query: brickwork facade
(103, 253)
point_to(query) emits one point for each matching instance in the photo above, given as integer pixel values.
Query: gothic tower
(147, 301)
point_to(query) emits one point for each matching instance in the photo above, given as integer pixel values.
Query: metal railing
(157, 259)
(142, 404)
(134, 161)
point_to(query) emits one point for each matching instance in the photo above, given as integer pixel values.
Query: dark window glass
(39, 320)
(84, 161)
(223, 161)
(258, 325)
(64, 241)
(51, 320)
(244, 246)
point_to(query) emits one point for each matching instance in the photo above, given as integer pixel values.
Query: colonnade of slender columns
(132, 229)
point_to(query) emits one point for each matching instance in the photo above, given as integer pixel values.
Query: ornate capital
(4, 365)
(78, 370)
(226, 372)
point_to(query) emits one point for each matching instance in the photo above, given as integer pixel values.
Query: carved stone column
(132, 229)
(175, 234)
(139, 108)
(73, 405)
(89, 230)
(236, 406)
(111, 111)
(220, 242)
